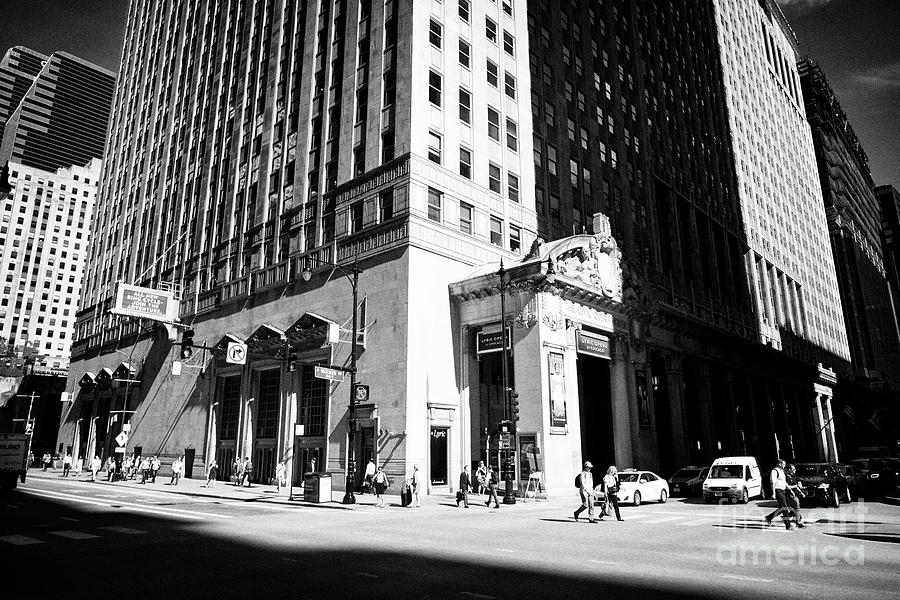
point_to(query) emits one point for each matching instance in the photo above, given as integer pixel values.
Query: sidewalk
(261, 493)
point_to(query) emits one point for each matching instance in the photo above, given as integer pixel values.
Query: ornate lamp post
(352, 275)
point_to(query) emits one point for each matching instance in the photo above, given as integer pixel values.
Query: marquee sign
(145, 303)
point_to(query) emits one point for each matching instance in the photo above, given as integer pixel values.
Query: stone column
(819, 423)
(830, 438)
(771, 439)
(675, 387)
(730, 439)
(704, 397)
(620, 374)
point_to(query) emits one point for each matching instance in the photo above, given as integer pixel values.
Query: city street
(65, 536)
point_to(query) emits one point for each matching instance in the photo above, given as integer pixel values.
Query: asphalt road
(63, 537)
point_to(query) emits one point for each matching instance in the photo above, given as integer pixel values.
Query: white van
(733, 478)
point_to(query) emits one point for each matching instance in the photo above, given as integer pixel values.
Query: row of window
(435, 154)
(466, 215)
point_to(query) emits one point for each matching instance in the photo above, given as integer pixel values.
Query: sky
(855, 42)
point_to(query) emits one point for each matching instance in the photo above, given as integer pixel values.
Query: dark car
(823, 483)
(855, 481)
(876, 473)
(688, 481)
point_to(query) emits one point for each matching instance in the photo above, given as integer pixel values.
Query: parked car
(876, 473)
(823, 483)
(855, 481)
(734, 478)
(636, 487)
(688, 481)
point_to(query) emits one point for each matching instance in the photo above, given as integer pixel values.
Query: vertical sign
(557, 390)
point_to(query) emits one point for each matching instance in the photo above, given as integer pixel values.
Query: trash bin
(317, 487)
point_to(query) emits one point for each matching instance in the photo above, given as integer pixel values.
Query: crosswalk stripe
(125, 530)
(73, 535)
(20, 540)
(663, 520)
(171, 512)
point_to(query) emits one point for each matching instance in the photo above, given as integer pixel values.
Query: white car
(638, 486)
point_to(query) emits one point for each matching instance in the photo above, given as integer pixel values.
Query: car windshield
(686, 474)
(810, 470)
(628, 477)
(704, 472)
(726, 472)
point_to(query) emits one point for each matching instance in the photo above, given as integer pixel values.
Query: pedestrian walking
(480, 478)
(369, 476)
(493, 482)
(414, 486)
(611, 491)
(794, 493)
(381, 482)
(144, 466)
(67, 464)
(211, 475)
(155, 464)
(237, 470)
(465, 483)
(95, 467)
(45, 460)
(177, 470)
(779, 487)
(246, 472)
(585, 483)
(110, 468)
(280, 475)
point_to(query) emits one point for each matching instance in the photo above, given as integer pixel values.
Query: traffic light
(187, 344)
(513, 405)
(292, 358)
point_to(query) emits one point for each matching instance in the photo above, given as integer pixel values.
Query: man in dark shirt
(462, 495)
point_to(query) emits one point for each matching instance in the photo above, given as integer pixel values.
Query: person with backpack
(584, 481)
(611, 488)
(493, 481)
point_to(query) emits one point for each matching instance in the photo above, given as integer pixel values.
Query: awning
(312, 331)
(87, 380)
(124, 371)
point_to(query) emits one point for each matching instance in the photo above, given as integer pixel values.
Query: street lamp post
(353, 276)
(509, 496)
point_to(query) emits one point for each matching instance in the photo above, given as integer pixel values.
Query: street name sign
(236, 354)
(330, 374)
(145, 303)
(121, 439)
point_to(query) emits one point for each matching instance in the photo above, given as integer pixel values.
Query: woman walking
(611, 487)
(381, 483)
(480, 478)
(211, 474)
(280, 472)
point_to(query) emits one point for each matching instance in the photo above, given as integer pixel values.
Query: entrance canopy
(312, 331)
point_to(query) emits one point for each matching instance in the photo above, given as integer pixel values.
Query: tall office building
(855, 224)
(45, 230)
(61, 119)
(18, 68)
(253, 143)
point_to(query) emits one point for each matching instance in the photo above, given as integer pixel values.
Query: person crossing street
(585, 482)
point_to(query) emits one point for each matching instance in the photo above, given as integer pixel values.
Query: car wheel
(663, 496)
(745, 497)
(637, 499)
(834, 499)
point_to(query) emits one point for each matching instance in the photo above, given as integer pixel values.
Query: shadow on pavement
(169, 557)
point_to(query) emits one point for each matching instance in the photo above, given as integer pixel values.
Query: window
(465, 218)
(434, 88)
(465, 162)
(515, 238)
(493, 73)
(512, 189)
(496, 231)
(507, 7)
(512, 135)
(493, 124)
(494, 178)
(356, 217)
(551, 160)
(509, 43)
(434, 204)
(465, 10)
(435, 33)
(510, 86)
(465, 54)
(434, 147)
(490, 29)
(465, 106)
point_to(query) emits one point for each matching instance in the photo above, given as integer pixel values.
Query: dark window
(230, 394)
(313, 402)
(267, 410)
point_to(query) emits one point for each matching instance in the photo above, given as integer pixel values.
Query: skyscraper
(61, 119)
(18, 68)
